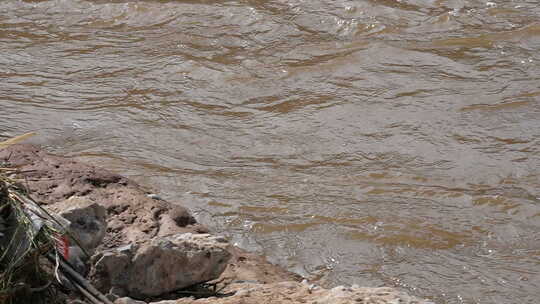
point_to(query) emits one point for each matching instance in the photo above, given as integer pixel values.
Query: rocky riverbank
(148, 249)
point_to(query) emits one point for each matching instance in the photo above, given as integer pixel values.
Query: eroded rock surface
(162, 265)
(86, 220)
(297, 293)
(151, 245)
(132, 216)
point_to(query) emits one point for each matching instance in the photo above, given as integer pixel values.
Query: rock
(177, 216)
(86, 220)
(296, 293)
(54, 178)
(161, 266)
(78, 259)
(126, 300)
(132, 216)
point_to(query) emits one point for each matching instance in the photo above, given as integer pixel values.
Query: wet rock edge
(134, 217)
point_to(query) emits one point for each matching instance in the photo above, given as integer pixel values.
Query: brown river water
(370, 142)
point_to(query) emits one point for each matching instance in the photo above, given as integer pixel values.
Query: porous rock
(296, 293)
(163, 265)
(133, 216)
(86, 220)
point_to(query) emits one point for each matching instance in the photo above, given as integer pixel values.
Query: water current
(371, 142)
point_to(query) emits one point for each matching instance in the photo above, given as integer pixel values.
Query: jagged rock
(132, 216)
(86, 220)
(296, 293)
(177, 216)
(163, 265)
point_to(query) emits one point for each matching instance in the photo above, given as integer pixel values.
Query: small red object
(63, 246)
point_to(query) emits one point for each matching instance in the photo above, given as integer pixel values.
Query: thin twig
(80, 280)
(88, 295)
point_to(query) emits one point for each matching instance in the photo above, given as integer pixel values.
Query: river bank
(136, 218)
(415, 121)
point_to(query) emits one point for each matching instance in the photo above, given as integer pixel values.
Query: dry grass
(33, 248)
(27, 234)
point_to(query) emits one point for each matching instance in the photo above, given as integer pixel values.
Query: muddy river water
(370, 142)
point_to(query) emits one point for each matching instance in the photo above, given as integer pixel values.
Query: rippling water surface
(376, 142)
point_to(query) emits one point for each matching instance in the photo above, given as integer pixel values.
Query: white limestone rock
(163, 265)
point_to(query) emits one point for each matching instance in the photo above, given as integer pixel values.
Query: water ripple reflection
(374, 142)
